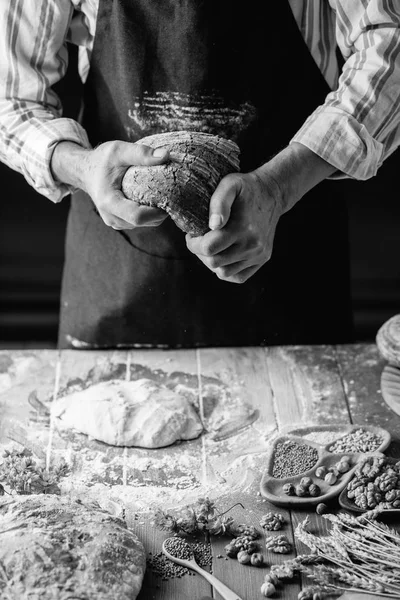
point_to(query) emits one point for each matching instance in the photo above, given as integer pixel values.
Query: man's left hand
(244, 212)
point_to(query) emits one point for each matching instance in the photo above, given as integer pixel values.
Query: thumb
(221, 202)
(141, 155)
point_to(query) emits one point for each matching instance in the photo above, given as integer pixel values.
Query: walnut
(272, 521)
(278, 544)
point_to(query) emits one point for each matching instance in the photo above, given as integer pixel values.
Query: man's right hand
(99, 173)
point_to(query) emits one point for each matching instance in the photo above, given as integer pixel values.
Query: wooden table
(285, 386)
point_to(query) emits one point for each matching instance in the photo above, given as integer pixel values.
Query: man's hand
(247, 210)
(99, 173)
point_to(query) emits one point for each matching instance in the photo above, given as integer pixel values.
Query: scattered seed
(164, 568)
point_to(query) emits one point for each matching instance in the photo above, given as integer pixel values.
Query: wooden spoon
(221, 588)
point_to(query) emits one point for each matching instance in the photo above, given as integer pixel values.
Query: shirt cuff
(343, 142)
(38, 148)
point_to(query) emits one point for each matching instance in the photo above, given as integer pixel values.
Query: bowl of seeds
(310, 465)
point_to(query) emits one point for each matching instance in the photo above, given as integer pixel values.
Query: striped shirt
(356, 128)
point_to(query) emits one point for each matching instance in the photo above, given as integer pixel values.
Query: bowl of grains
(310, 465)
(375, 483)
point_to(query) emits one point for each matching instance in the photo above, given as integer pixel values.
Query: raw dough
(129, 413)
(55, 548)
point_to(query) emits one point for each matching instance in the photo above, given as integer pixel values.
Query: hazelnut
(320, 472)
(243, 557)
(321, 508)
(267, 589)
(306, 482)
(289, 489)
(314, 490)
(330, 478)
(343, 467)
(257, 559)
(301, 491)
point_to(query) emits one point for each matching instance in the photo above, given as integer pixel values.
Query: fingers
(213, 242)
(233, 255)
(114, 222)
(127, 154)
(126, 212)
(243, 275)
(222, 200)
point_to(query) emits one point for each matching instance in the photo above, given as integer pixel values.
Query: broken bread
(183, 186)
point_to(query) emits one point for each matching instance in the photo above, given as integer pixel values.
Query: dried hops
(24, 475)
(183, 186)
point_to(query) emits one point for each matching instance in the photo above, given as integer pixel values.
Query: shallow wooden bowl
(271, 487)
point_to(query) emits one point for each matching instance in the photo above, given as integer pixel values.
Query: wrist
(293, 172)
(69, 164)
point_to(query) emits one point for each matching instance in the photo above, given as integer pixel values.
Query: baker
(263, 74)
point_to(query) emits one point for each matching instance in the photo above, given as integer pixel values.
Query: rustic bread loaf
(183, 187)
(388, 340)
(54, 548)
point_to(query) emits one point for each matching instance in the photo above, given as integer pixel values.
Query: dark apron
(241, 70)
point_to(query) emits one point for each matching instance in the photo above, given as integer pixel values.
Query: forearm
(293, 172)
(69, 164)
(358, 126)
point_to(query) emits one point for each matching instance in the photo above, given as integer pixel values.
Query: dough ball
(129, 413)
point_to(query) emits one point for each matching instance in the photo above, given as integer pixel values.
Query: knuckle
(214, 262)
(208, 248)
(108, 220)
(238, 279)
(223, 272)
(233, 178)
(109, 149)
(143, 153)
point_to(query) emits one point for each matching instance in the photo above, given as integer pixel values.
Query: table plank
(306, 385)
(308, 390)
(158, 474)
(235, 455)
(246, 580)
(23, 419)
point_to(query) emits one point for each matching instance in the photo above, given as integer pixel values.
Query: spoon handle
(221, 588)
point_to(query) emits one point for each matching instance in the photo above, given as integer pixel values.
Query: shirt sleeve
(358, 126)
(34, 57)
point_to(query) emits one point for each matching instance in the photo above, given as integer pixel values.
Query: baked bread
(388, 340)
(55, 548)
(183, 187)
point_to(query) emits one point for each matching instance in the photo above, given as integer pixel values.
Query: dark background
(32, 245)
